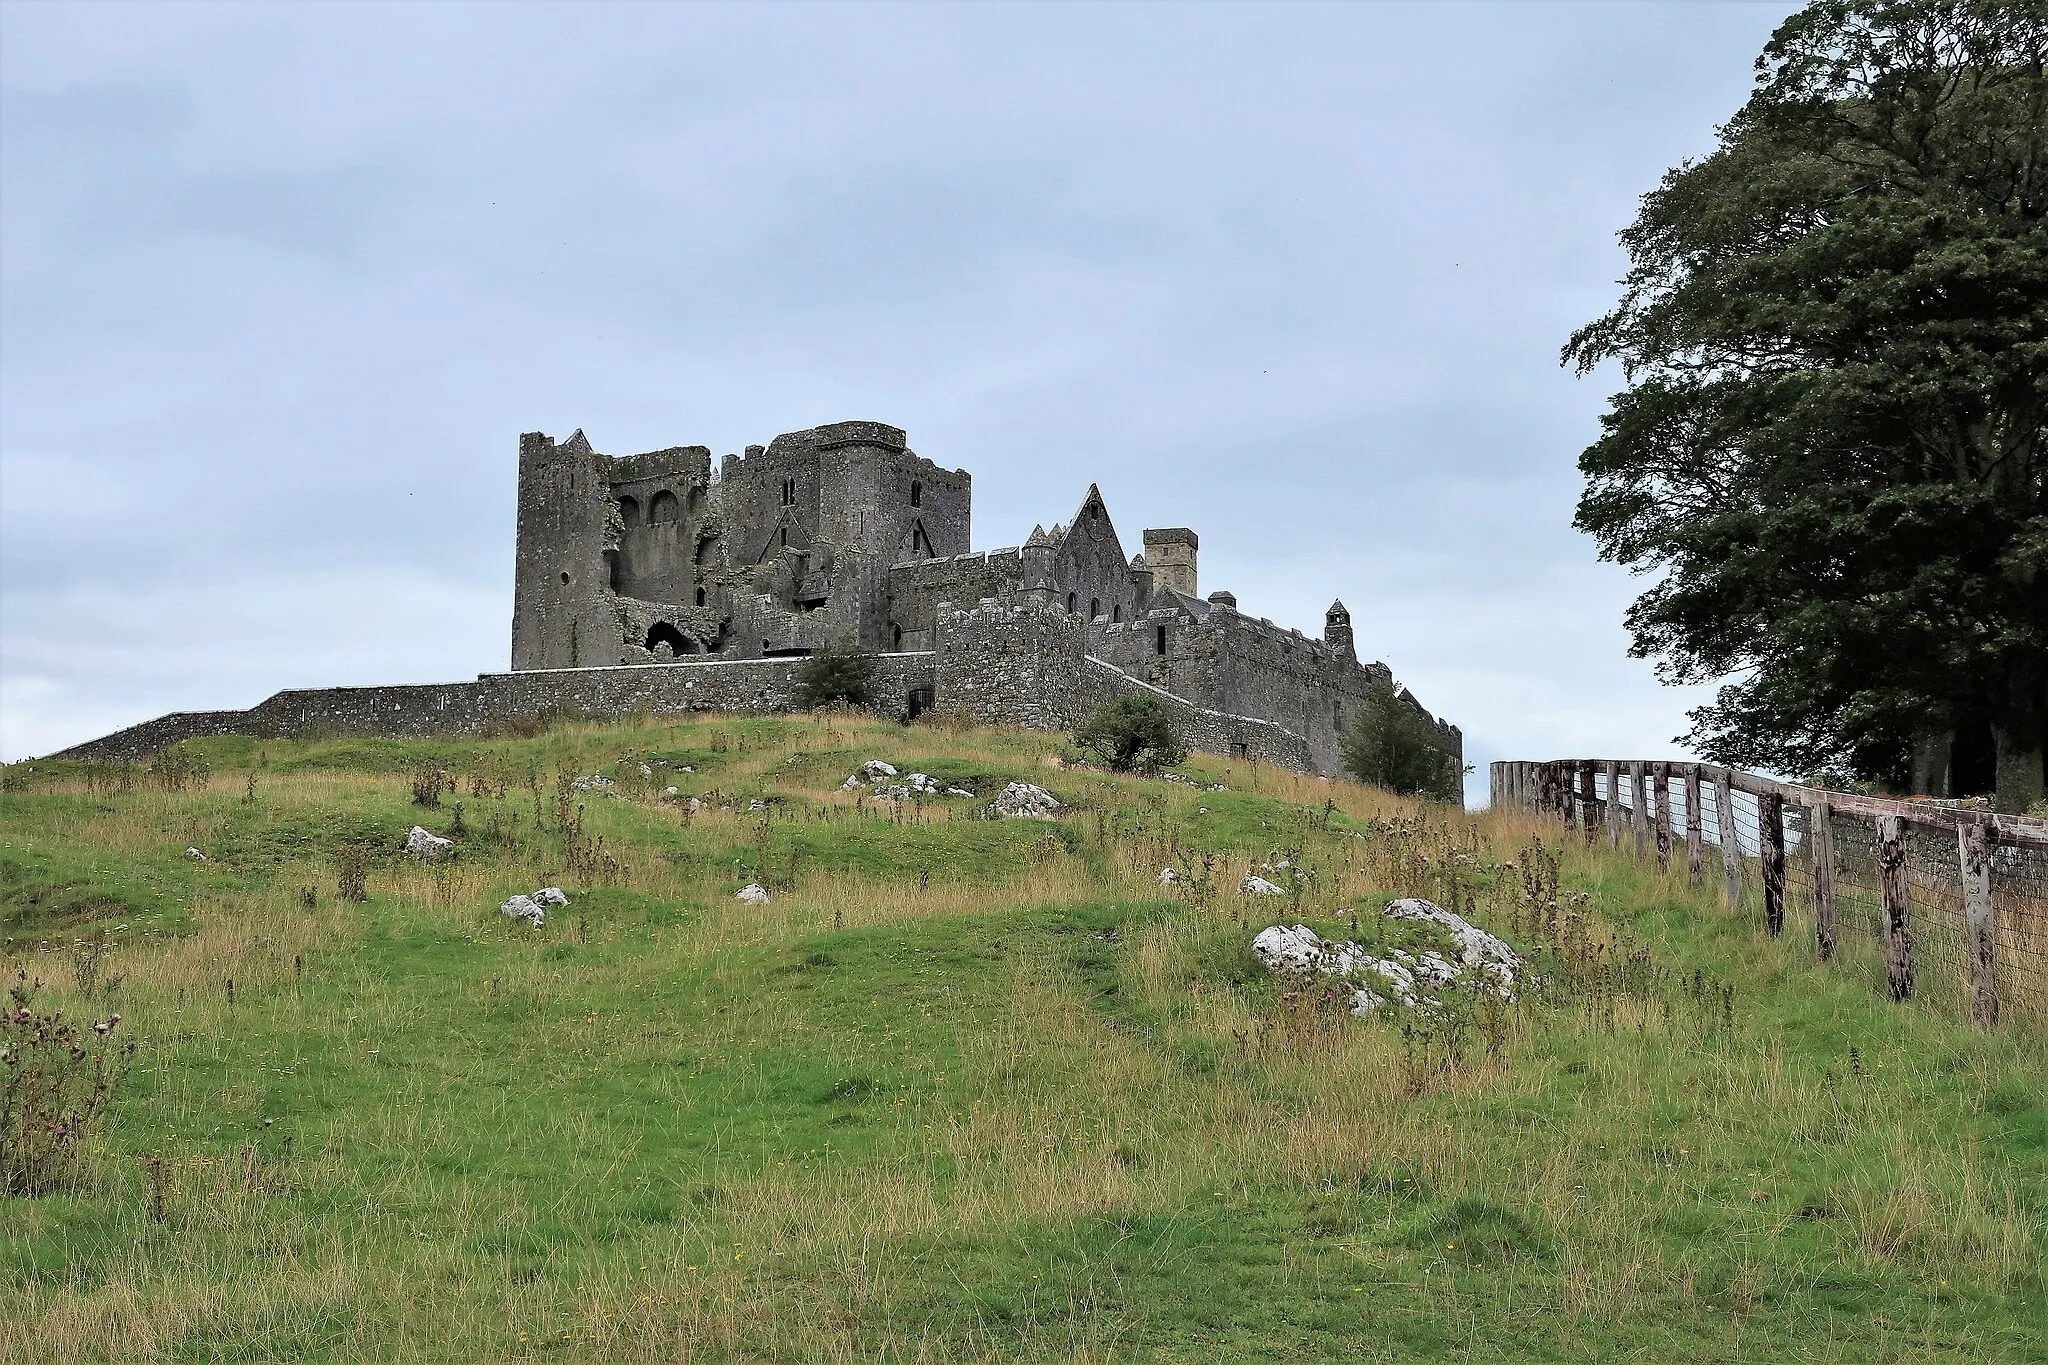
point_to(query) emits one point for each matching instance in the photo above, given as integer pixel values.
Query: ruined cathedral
(842, 533)
(655, 585)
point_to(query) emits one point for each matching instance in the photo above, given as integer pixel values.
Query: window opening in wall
(565, 578)
(916, 494)
(785, 537)
(895, 636)
(664, 509)
(789, 492)
(1071, 600)
(611, 569)
(629, 512)
(1094, 607)
(1116, 611)
(700, 597)
(1159, 641)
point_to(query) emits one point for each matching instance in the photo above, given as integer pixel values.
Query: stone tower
(560, 618)
(1170, 555)
(1337, 630)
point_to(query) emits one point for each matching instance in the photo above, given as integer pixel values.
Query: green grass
(968, 1089)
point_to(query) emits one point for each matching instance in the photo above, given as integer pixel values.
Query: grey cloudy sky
(281, 284)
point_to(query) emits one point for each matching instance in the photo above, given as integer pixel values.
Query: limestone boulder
(1414, 977)
(524, 908)
(1025, 801)
(427, 846)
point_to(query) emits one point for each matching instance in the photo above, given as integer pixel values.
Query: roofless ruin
(662, 583)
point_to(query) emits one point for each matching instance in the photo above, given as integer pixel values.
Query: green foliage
(1134, 733)
(1393, 743)
(839, 674)
(1835, 333)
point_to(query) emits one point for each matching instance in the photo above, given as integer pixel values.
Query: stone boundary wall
(1212, 732)
(1051, 688)
(417, 711)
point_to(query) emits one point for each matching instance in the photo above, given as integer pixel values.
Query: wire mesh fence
(1936, 900)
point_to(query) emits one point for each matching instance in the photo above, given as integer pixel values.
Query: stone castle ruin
(844, 534)
(660, 583)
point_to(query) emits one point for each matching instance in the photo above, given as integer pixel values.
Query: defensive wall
(1002, 663)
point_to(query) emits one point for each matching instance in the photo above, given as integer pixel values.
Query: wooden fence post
(1770, 837)
(1692, 824)
(1898, 923)
(1638, 813)
(1613, 804)
(1589, 789)
(1567, 800)
(1974, 848)
(1820, 834)
(1661, 784)
(1731, 843)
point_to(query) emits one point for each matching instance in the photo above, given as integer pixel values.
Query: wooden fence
(1934, 885)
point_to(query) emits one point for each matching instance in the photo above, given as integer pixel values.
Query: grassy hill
(966, 1089)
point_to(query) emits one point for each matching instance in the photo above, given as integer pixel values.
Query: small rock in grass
(753, 893)
(874, 770)
(1255, 885)
(1025, 801)
(426, 846)
(1167, 876)
(671, 793)
(526, 908)
(550, 895)
(196, 856)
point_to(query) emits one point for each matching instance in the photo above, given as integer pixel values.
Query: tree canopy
(1834, 332)
(1132, 733)
(1393, 743)
(839, 674)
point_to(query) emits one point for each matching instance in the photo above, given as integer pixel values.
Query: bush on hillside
(56, 1080)
(840, 673)
(1132, 734)
(1393, 743)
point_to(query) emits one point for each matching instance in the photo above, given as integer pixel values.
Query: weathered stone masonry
(657, 583)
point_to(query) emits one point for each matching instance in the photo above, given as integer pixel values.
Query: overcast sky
(280, 286)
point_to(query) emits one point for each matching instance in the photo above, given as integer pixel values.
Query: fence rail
(1931, 887)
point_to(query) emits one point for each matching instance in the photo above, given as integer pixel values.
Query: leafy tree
(841, 673)
(1834, 331)
(1393, 743)
(1134, 733)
